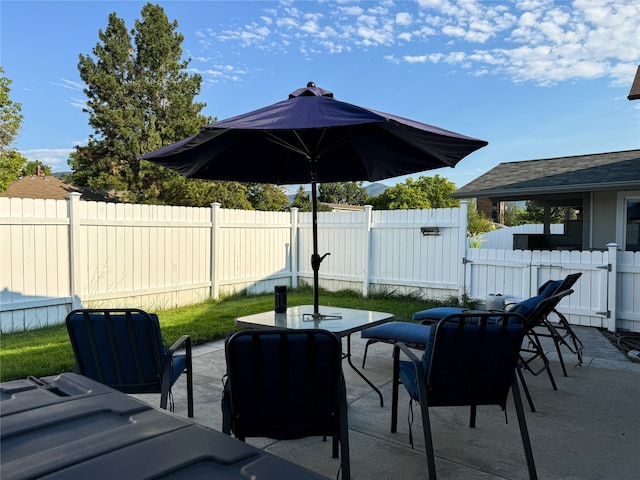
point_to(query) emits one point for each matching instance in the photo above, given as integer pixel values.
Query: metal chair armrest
(178, 343)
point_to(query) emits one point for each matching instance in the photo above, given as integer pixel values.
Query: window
(632, 224)
(628, 221)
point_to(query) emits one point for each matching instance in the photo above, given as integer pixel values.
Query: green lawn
(47, 351)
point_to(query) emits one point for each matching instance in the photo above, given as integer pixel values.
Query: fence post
(215, 231)
(293, 251)
(464, 245)
(366, 244)
(73, 206)
(612, 286)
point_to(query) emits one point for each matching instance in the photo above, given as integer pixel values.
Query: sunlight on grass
(47, 351)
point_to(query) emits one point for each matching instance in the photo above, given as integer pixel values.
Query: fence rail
(56, 255)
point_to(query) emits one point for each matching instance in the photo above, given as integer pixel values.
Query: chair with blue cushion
(560, 330)
(286, 384)
(124, 349)
(413, 333)
(469, 360)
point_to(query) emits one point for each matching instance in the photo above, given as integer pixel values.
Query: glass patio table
(340, 321)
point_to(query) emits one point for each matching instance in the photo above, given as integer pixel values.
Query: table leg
(355, 369)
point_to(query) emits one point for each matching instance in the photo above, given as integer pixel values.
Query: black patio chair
(560, 330)
(470, 359)
(414, 334)
(123, 348)
(286, 384)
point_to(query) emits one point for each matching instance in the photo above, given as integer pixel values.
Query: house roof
(582, 173)
(47, 187)
(634, 93)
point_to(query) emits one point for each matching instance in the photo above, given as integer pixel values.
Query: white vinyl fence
(57, 255)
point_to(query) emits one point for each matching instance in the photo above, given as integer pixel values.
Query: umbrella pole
(315, 258)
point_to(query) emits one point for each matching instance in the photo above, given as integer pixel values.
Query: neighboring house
(49, 187)
(604, 190)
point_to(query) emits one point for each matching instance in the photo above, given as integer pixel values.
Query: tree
(535, 213)
(477, 222)
(267, 197)
(301, 200)
(139, 98)
(346, 193)
(426, 192)
(31, 168)
(11, 161)
(514, 216)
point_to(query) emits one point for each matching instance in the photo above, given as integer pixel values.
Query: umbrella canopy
(313, 138)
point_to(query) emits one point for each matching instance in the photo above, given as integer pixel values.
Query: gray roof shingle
(601, 171)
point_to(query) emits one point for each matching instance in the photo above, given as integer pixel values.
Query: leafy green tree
(514, 216)
(267, 197)
(477, 222)
(202, 193)
(10, 116)
(31, 168)
(11, 161)
(346, 193)
(535, 213)
(301, 200)
(140, 97)
(426, 192)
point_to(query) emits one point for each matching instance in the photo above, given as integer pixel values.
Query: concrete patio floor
(588, 429)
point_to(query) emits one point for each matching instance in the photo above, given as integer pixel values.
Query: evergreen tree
(139, 98)
(302, 200)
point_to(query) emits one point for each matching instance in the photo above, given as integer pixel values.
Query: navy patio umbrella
(313, 138)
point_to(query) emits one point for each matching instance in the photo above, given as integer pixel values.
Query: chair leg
(344, 437)
(524, 432)
(395, 383)
(472, 416)
(524, 386)
(189, 386)
(366, 349)
(426, 427)
(538, 352)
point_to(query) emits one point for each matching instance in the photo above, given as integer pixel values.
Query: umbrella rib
(283, 143)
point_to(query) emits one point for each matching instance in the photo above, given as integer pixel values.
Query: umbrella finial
(311, 91)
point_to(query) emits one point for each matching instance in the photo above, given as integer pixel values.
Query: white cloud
(404, 19)
(539, 41)
(69, 85)
(56, 158)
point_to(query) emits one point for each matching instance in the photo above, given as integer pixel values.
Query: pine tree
(139, 98)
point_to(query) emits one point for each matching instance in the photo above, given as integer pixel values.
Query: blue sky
(535, 78)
